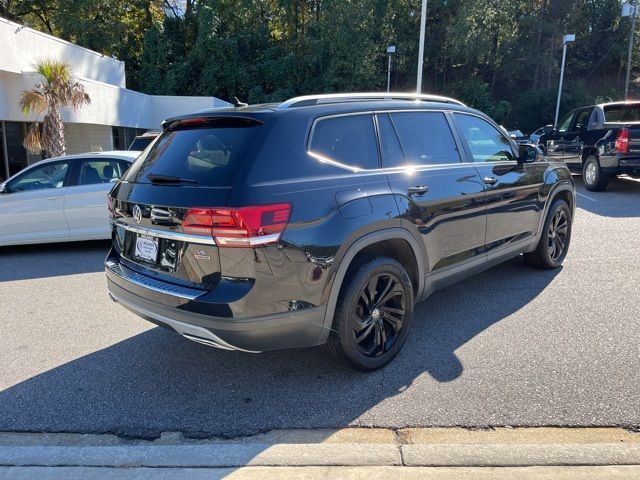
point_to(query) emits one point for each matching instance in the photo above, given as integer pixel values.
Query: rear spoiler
(220, 121)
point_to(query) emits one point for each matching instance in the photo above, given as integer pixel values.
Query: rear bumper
(617, 165)
(299, 328)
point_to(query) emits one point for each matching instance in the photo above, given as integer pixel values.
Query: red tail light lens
(622, 141)
(239, 227)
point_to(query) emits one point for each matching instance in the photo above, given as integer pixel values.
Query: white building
(114, 116)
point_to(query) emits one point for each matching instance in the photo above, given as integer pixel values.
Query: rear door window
(425, 138)
(205, 156)
(103, 170)
(348, 141)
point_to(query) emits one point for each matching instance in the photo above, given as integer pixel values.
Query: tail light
(239, 227)
(622, 141)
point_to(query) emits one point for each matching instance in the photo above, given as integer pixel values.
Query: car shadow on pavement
(24, 262)
(621, 199)
(157, 381)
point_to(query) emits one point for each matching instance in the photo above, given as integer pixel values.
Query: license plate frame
(146, 248)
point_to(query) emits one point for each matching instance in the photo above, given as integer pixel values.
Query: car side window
(566, 123)
(582, 120)
(348, 141)
(49, 175)
(103, 170)
(486, 143)
(425, 139)
(392, 154)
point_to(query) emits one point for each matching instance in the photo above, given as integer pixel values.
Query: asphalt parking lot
(512, 346)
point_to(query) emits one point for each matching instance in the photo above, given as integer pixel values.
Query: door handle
(490, 180)
(418, 190)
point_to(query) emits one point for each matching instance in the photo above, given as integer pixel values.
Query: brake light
(622, 141)
(239, 227)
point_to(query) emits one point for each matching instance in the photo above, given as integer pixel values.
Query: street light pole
(566, 39)
(423, 21)
(631, 35)
(391, 49)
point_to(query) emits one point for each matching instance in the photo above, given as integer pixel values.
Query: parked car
(60, 199)
(518, 136)
(535, 136)
(321, 220)
(141, 142)
(600, 141)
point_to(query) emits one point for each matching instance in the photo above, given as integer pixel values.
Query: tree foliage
(56, 90)
(501, 56)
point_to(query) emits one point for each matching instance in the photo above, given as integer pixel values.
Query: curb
(356, 447)
(322, 473)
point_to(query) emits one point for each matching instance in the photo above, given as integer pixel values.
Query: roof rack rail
(308, 100)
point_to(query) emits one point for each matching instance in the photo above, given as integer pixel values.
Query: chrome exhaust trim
(190, 332)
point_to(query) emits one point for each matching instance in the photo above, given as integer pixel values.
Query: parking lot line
(586, 196)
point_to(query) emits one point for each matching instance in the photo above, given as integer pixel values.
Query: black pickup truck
(601, 141)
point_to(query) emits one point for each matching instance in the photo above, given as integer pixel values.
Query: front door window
(565, 123)
(49, 175)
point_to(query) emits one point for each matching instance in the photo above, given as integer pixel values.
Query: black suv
(323, 219)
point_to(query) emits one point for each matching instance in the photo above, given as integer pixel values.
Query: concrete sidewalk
(432, 453)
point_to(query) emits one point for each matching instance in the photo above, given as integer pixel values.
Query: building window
(17, 156)
(4, 174)
(16, 153)
(124, 136)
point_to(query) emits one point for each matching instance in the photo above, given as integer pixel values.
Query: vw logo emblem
(137, 214)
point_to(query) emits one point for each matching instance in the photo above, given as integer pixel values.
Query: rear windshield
(622, 113)
(209, 157)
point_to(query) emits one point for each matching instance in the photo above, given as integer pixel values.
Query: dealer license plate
(147, 248)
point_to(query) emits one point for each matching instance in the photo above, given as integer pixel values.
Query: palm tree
(56, 91)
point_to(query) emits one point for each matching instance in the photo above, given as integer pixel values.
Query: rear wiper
(169, 179)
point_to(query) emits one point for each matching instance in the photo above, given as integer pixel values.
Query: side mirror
(548, 129)
(4, 188)
(527, 153)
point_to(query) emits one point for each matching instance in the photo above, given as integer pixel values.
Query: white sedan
(61, 199)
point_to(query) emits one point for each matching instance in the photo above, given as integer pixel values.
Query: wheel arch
(587, 152)
(564, 190)
(397, 243)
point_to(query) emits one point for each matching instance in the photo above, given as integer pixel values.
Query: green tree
(57, 90)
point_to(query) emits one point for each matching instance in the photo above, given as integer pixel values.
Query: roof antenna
(237, 103)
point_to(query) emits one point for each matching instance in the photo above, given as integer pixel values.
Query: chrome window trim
(374, 113)
(168, 234)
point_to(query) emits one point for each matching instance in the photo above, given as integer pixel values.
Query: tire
(553, 244)
(366, 334)
(592, 175)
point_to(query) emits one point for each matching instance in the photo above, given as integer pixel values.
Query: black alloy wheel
(380, 315)
(373, 314)
(554, 239)
(558, 234)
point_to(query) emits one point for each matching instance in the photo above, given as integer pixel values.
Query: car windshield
(622, 113)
